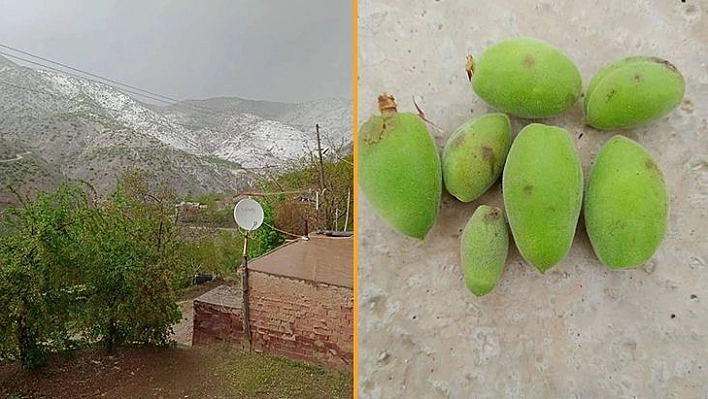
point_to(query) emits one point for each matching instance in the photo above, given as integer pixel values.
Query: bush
(131, 247)
(38, 272)
(70, 267)
(219, 255)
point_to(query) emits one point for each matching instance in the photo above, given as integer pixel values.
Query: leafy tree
(332, 202)
(40, 273)
(130, 250)
(265, 238)
(220, 254)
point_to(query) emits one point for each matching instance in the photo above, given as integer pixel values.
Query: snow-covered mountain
(268, 130)
(93, 131)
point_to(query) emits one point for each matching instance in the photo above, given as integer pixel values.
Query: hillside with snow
(94, 131)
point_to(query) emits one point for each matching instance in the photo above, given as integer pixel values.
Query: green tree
(40, 273)
(131, 258)
(220, 254)
(265, 238)
(335, 200)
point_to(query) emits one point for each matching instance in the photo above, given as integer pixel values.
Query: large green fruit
(474, 156)
(633, 91)
(626, 204)
(525, 77)
(542, 187)
(483, 250)
(399, 169)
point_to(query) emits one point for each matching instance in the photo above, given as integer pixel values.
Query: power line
(282, 231)
(195, 108)
(84, 72)
(59, 70)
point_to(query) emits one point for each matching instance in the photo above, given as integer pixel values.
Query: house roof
(320, 259)
(224, 295)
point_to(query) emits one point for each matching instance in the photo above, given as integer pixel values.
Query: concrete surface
(581, 330)
(319, 259)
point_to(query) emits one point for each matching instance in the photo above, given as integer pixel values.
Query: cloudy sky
(277, 50)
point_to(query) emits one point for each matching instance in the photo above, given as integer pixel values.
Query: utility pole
(319, 150)
(246, 319)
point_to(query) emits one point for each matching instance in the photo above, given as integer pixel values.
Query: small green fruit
(633, 91)
(483, 250)
(399, 169)
(525, 77)
(542, 185)
(474, 156)
(626, 204)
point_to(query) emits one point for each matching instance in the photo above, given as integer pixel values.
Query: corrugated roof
(320, 259)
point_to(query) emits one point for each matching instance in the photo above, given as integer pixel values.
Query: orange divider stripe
(355, 127)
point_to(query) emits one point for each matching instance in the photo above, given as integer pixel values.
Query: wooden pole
(319, 150)
(346, 219)
(244, 287)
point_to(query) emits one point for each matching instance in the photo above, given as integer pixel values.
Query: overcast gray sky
(277, 50)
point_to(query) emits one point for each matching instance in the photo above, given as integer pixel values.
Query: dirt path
(183, 329)
(16, 158)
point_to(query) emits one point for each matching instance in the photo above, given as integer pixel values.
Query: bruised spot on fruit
(609, 95)
(492, 216)
(529, 61)
(528, 189)
(651, 165)
(665, 63)
(488, 155)
(618, 225)
(459, 141)
(373, 130)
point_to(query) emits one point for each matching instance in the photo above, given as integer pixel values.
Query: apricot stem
(387, 104)
(469, 67)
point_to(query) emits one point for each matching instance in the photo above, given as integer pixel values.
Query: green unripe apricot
(399, 169)
(483, 250)
(474, 156)
(525, 77)
(626, 204)
(542, 185)
(633, 91)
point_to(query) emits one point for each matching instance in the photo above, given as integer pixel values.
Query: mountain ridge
(93, 131)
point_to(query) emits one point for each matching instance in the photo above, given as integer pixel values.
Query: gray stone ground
(581, 330)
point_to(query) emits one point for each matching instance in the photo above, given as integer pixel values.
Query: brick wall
(217, 317)
(302, 320)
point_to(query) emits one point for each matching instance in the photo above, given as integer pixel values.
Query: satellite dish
(248, 214)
